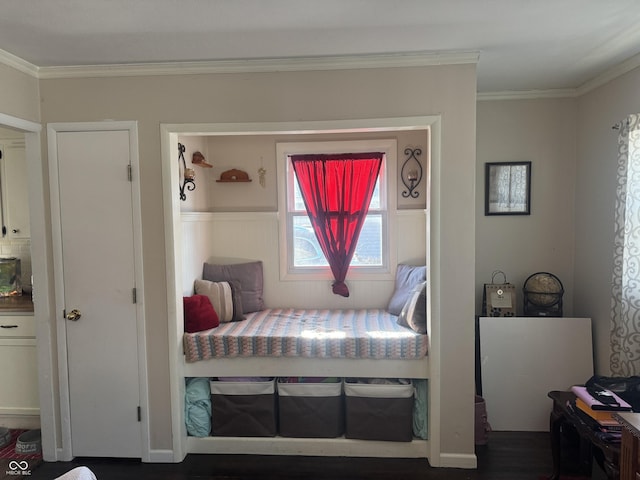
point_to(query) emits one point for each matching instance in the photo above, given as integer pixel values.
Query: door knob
(74, 315)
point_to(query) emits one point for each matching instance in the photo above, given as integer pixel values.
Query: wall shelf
(234, 176)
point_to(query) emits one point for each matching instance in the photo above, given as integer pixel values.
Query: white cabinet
(15, 193)
(523, 358)
(19, 403)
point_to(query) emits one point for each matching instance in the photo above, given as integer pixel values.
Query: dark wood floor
(507, 456)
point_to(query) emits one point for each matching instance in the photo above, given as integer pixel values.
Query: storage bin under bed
(243, 408)
(379, 411)
(311, 409)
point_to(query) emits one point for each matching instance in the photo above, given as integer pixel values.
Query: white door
(98, 268)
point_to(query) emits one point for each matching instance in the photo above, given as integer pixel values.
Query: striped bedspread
(308, 333)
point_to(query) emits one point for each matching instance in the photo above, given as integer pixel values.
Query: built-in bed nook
(228, 240)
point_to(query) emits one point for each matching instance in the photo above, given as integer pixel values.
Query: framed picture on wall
(507, 188)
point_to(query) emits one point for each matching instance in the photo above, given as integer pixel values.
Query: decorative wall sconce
(411, 173)
(188, 175)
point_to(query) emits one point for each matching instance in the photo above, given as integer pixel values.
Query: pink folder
(585, 396)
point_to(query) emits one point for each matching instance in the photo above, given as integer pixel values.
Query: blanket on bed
(278, 332)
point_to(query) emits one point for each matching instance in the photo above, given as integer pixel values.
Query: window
(300, 251)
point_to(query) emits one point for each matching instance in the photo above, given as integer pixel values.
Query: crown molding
(590, 85)
(292, 64)
(527, 94)
(611, 74)
(19, 64)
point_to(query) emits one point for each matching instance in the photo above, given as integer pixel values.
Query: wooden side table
(630, 449)
(561, 415)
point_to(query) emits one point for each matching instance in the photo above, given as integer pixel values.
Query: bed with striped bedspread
(311, 333)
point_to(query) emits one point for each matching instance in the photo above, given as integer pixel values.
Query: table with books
(598, 429)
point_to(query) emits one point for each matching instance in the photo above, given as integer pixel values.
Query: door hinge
(139, 414)
(129, 173)
(135, 295)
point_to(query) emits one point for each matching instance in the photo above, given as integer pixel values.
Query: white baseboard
(161, 456)
(458, 460)
(27, 422)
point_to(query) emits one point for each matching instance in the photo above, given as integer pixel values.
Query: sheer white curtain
(625, 312)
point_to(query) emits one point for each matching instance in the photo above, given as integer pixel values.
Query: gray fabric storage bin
(310, 410)
(243, 408)
(379, 412)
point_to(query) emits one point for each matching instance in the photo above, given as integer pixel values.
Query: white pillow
(225, 298)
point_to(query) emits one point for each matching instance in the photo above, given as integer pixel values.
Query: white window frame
(388, 175)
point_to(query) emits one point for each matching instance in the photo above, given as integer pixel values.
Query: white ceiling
(522, 44)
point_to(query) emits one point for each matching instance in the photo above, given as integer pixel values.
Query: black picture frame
(507, 188)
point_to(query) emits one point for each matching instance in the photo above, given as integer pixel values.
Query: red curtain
(337, 190)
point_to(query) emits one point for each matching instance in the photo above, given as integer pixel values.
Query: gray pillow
(414, 312)
(249, 275)
(407, 277)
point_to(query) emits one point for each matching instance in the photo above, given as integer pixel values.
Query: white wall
(447, 91)
(573, 150)
(542, 132)
(246, 225)
(597, 146)
(208, 237)
(250, 152)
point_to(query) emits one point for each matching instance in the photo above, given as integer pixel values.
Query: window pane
(298, 205)
(298, 202)
(307, 252)
(369, 249)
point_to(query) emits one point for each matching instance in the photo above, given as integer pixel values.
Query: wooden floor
(507, 456)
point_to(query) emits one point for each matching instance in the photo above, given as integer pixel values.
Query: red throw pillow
(199, 314)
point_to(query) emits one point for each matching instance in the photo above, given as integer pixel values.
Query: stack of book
(597, 409)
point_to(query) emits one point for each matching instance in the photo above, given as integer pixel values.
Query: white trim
(132, 127)
(173, 265)
(20, 123)
(296, 64)
(327, 447)
(588, 86)
(160, 456)
(310, 367)
(40, 262)
(65, 453)
(10, 60)
(291, 64)
(527, 94)
(173, 249)
(610, 74)
(388, 196)
(457, 460)
(20, 410)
